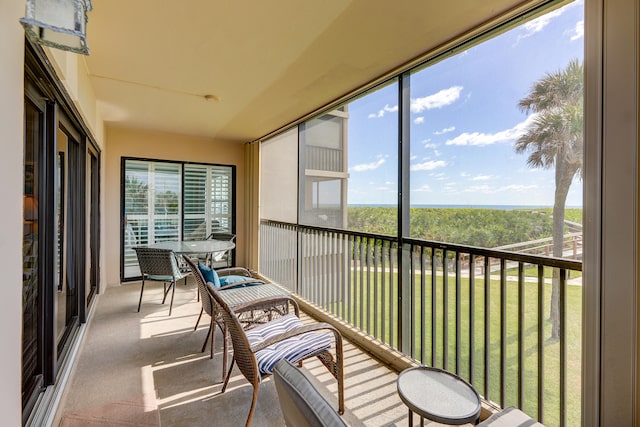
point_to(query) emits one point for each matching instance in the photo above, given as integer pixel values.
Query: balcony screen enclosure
(440, 212)
(169, 201)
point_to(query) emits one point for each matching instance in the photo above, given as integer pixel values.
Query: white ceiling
(266, 62)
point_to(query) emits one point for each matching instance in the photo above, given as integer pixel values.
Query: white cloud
(418, 105)
(479, 189)
(418, 120)
(578, 31)
(428, 165)
(440, 175)
(368, 166)
(413, 157)
(482, 139)
(385, 109)
(464, 174)
(425, 188)
(482, 178)
(487, 189)
(428, 144)
(538, 24)
(437, 100)
(517, 188)
(445, 130)
(450, 187)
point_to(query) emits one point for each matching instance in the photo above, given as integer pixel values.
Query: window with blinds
(207, 201)
(173, 201)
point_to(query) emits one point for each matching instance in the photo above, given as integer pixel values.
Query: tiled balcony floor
(145, 369)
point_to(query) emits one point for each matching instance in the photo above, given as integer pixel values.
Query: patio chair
(207, 305)
(159, 265)
(218, 257)
(256, 351)
(274, 305)
(301, 403)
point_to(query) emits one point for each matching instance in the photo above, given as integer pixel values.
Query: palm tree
(554, 138)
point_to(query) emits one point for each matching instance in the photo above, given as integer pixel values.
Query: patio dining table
(188, 247)
(193, 247)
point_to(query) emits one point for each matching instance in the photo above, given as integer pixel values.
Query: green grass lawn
(380, 306)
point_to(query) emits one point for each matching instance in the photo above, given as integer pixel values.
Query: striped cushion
(293, 349)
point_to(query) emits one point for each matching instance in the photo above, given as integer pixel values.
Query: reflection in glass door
(93, 227)
(32, 346)
(66, 277)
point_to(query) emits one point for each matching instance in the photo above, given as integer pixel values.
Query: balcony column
(404, 202)
(611, 365)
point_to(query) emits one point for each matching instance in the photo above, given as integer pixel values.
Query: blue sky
(465, 119)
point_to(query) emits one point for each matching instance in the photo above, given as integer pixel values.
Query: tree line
(486, 228)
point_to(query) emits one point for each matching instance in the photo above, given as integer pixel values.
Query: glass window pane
(208, 201)
(279, 177)
(31, 295)
(351, 164)
(471, 119)
(195, 202)
(220, 188)
(136, 212)
(154, 204)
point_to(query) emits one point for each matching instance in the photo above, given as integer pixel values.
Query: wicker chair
(260, 309)
(202, 288)
(256, 351)
(207, 305)
(159, 265)
(222, 256)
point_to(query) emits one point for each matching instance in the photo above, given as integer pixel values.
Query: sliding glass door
(69, 213)
(32, 290)
(170, 201)
(60, 231)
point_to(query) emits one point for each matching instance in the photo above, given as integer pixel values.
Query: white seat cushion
(293, 349)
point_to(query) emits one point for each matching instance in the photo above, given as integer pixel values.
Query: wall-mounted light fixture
(58, 23)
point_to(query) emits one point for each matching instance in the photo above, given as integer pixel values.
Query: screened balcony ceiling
(262, 63)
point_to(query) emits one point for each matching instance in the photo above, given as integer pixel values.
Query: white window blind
(155, 209)
(207, 201)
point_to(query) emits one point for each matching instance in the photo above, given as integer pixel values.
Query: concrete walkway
(146, 369)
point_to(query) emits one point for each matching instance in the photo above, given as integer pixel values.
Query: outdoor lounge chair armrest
(237, 271)
(244, 282)
(267, 302)
(299, 331)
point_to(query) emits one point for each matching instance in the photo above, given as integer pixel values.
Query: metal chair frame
(159, 265)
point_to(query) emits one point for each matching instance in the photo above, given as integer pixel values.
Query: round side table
(438, 395)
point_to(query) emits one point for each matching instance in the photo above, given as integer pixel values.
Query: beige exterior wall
(11, 167)
(162, 146)
(72, 71)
